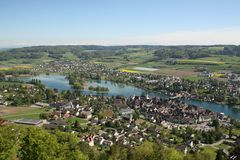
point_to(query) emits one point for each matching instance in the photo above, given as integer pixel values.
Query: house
(205, 74)
(126, 113)
(98, 139)
(120, 101)
(107, 143)
(90, 140)
(42, 105)
(3, 122)
(27, 121)
(65, 114)
(55, 115)
(61, 105)
(148, 101)
(86, 114)
(55, 124)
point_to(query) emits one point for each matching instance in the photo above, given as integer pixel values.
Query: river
(61, 83)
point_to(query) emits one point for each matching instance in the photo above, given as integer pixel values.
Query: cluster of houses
(160, 111)
(66, 66)
(205, 74)
(124, 128)
(65, 110)
(169, 85)
(18, 92)
(137, 118)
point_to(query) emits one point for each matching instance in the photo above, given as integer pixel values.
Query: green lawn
(195, 78)
(199, 61)
(8, 83)
(70, 56)
(14, 62)
(139, 57)
(32, 113)
(73, 119)
(236, 131)
(210, 151)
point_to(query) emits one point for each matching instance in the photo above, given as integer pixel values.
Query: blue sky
(119, 22)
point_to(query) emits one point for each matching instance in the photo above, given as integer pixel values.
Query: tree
(215, 123)
(44, 116)
(220, 155)
(37, 144)
(172, 154)
(232, 100)
(235, 152)
(136, 115)
(8, 142)
(69, 148)
(50, 95)
(118, 152)
(230, 132)
(147, 151)
(76, 124)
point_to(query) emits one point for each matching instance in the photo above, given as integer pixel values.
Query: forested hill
(93, 51)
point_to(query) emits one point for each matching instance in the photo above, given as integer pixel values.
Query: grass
(129, 71)
(236, 131)
(13, 113)
(185, 67)
(198, 61)
(139, 57)
(15, 67)
(23, 67)
(210, 151)
(5, 68)
(218, 75)
(216, 48)
(216, 63)
(80, 120)
(9, 83)
(70, 56)
(22, 62)
(194, 78)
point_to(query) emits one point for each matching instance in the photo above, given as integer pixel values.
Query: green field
(80, 120)
(127, 58)
(210, 151)
(184, 67)
(199, 62)
(13, 113)
(195, 78)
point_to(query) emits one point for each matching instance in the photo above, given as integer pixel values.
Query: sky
(119, 22)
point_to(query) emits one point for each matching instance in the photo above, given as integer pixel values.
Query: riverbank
(98, 89)
(61, 83)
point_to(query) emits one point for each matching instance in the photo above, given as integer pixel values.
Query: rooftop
(29, 121)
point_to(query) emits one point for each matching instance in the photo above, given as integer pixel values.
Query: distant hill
(86, 52)
(3, 49)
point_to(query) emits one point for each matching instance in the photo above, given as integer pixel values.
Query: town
(104, 121)
(227, 91)
(119, 80)
(130, 121)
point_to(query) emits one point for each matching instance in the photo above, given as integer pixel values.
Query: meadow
(185, 68)
(14, 113)
(199, 62)
(128, 58)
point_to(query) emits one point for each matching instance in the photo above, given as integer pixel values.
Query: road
(216, 144)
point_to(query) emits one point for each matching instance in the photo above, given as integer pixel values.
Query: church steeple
(147, 97)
